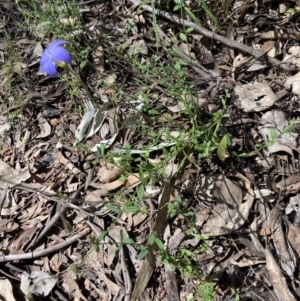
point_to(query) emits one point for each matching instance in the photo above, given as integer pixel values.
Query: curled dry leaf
(67, 163)
(109, 173)
(113, 240)
(45, 128)
(103, 188)
(289, 185)
(87, 118)
(171, 283)
(6, 225)
(10, 206)
(138, 47)
(293, 237)
(4, 125)
(287, 258)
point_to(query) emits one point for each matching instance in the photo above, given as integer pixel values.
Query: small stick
(3, 198)
(126, 275)
(35, 254)
(60, 211)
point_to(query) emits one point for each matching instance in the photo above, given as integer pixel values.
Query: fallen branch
(35, 254)
(210, 34)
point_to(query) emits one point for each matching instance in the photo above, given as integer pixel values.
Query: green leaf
(101, 236)
(143, 254)
(132, 209)
(152, 238)
(112, 208)
(140, 192)
(222, 148)
(159, 243)
(192, 16)
(209, 13)
(183, 37)
(177, 7)
(128, 241)
(291, 11)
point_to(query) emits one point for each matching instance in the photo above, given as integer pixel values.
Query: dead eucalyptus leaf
(37, 283)
(237, 220)
(6, 290)
(45, 128)
(71, 287)
(67, 163)
(109, 173)
(254, 97)
(293, 82)
(274, 122)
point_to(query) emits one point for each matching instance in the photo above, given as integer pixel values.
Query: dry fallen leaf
(6, 290)
(289, 185)
(71, 287)
(109, 173)
(274, 122)
(22, 239)
(276, 276)
(234, 221)
(67, 163)
(37, 283)
(254, 97)
(45, 128)
(293, 82)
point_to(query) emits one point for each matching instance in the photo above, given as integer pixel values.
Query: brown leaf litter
(58, 197)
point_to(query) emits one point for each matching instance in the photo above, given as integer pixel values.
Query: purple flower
(54, 55)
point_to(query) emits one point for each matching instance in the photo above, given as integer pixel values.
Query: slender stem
(84, 86)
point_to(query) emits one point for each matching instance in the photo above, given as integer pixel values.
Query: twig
(231, 44)
(126, 276)
(3, 198)
(47, 251)
(8, 275)
(59, 199)
(60, 295)
(60, 211)
(87, 2)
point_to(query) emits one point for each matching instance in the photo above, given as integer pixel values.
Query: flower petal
(46, 56)
(60, 54)
(48, 67)
(56, 43)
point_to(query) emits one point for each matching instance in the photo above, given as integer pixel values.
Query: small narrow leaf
(183, 37)
(159, 243)
(222, 148)
(112, 208)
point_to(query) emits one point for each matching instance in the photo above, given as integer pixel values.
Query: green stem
(84, 86)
